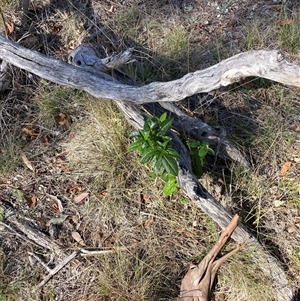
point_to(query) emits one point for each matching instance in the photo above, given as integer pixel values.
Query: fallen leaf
(31, 200)
(146, 198)
(296, 128)
(57, 29)
(102, 194)
(148, 222)
(62, 119)
(75, 219)
(185, 232)
(10, 27)
(286, 22)
(45, 139)
(81, 197)
(26, 161)
(78, 238)
(57, 220)
(58, 207)
(30, 132)
(64, 168)
(55, 208)
(285, 168)
(75, 188)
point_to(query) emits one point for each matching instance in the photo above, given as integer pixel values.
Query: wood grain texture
(262, 63)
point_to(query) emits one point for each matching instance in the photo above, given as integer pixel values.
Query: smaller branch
(197, 283)
(56, 269)
(84, 56)
(85, 252)
(40, 261)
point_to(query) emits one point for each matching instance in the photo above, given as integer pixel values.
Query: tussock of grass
(52, 100)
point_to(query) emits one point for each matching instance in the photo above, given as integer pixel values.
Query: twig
(40, 261)
(57, 268)
(85, 252)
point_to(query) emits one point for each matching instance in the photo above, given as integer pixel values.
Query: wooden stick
(57, 269)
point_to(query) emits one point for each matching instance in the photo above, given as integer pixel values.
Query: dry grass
(126, 207)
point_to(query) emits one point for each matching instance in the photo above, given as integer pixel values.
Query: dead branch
(52, 272)
(198, 282)
(262, 63)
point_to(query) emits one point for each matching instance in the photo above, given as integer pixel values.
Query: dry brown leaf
(31, 200)
(30, 132)
(26, 161)
(148, 222)
(285, 168)
(296, 128)
(102, 194)
(62, 119)
(45, 139)
(185, 232)
(54, 206)
(64, 168)
(10, 27)
(78, 238)
(81, 197)
(75, 188)
(286, 22)
(75, 219)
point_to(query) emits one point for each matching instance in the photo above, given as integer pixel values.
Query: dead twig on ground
(197, 284)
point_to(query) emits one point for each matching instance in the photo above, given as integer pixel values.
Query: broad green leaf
(170, 186)
(170, 164)
(148, 155)
(163, 117)
(157, 164)
(137, 145)
(134, 134)
(172, 152)
(165, 126)
(203, 150)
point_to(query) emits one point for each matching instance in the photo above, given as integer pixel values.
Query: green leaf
(148, 155)
(202, 152)
(170, 186)
(163, 117)
(137, 145)
(165, 126)
(170, 164)
(172, 152)
(134, 134)
(157, 164)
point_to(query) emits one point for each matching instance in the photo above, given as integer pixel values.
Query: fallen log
(267, 64)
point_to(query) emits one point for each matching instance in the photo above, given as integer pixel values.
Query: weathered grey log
(85, 57)
(5, 76)
(267, 64)
(262, 63)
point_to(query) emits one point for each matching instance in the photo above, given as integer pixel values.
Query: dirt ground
(75, 164)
